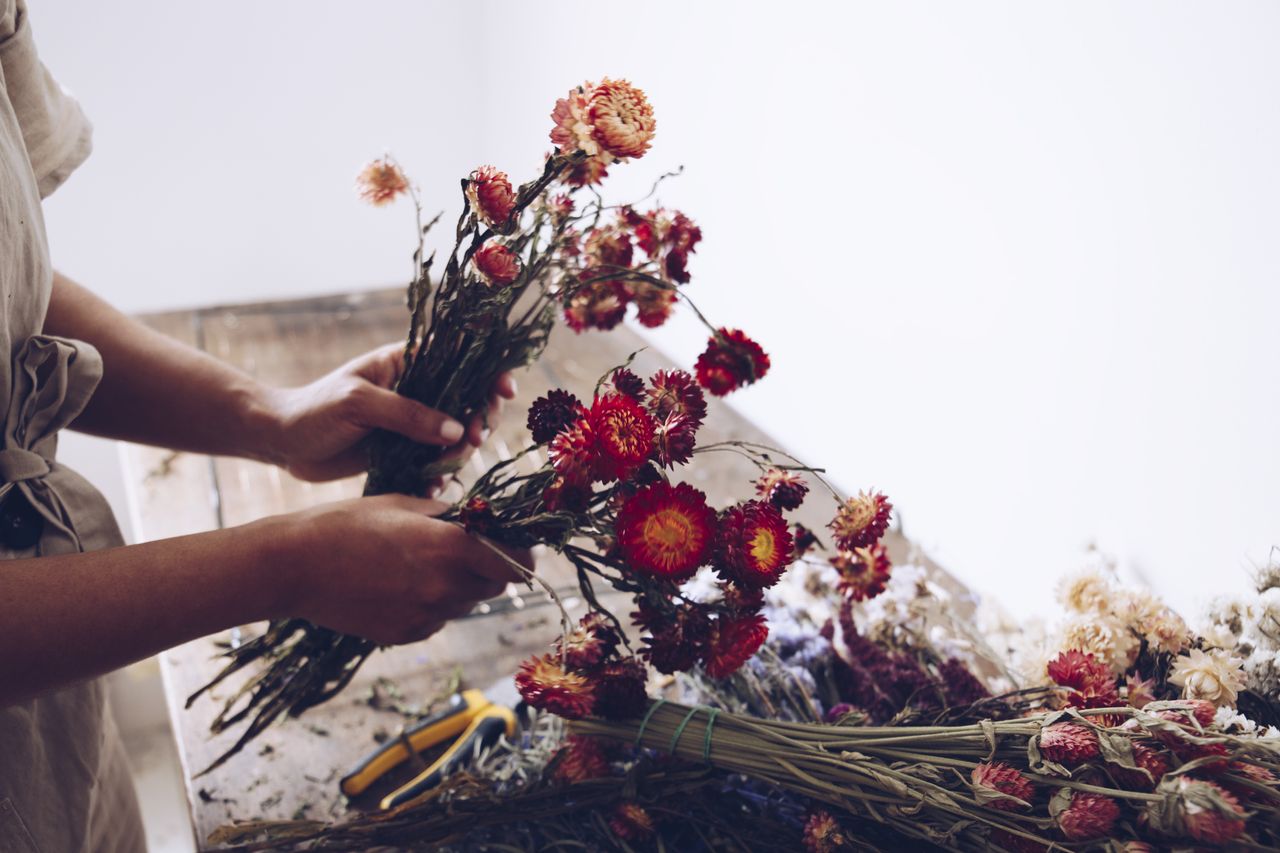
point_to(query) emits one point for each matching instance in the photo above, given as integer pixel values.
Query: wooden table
(292, 769)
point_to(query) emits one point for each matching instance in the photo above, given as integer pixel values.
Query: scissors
(469, 722)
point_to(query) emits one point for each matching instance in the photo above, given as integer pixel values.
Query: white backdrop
(1016, 263)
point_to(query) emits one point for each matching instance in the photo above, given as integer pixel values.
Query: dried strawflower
(730, 361)
(1069, 743)
(598, 305)
(676, 392)
(732, 642)
(587, 173)
(1216, 676)
(1138, 691)
(572, 129)
(1085, 815)
(608, 249)
(381, 182)
(654, 304)
(674, 440)
(489, 192)
(863, 572)
(496, 264)
(995, 782)
(560, 207)
(621, 118)
(623, 432)
(805, 539)
(550, 414)
(545, 684)
(783, 489)
(741, 600)
(593, 640)
(753, 545)
(477, 516)
(631, 822)
(822, 834)
(580, 759)
(666, 531)
(620, 689)
(677, 636)
(628, 384)
(861, 520)
(573, 453)
(1086, 592)
(1088, 679)
(1107, 638)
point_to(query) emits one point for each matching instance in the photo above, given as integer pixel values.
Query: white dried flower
(1216, 676)
(1106, 638)
(1087, 591)
(1232, 613)
(1227, 718)
(1218, 637)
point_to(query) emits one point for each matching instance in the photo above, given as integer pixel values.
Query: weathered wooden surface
(292, 770)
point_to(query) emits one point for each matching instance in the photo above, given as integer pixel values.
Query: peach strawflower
(491, 197)
(573, 130)
(381, 182)
(1088, 591)
(621, 118)
(1106, 638)
(496, 264)
(1216, 676)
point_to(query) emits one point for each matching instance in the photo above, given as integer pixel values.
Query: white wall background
(1016, 263)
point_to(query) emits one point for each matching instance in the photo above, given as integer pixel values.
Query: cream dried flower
(1218, 637)
(1108, 639)
(1166, 631)
(1087, 591)
(1216, 676)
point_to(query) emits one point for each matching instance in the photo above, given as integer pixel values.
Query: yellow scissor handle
(484, 729)
(445, 725)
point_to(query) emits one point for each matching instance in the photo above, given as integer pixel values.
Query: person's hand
(318, 428)
(383, 568)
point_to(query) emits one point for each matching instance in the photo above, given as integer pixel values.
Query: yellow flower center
(764, 548)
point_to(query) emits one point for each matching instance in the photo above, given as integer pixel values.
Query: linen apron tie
(53, 379)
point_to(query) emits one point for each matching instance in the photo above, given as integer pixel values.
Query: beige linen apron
(64, 783)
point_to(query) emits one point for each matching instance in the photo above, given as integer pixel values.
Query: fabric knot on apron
(41, 502)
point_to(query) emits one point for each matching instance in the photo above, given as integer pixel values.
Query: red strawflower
(653, 303)
(565, 496)
(550, 414)
(580, 759)
(589, 643)
(489, 192)
(621, 118)
(496, 264)
(620, 689)
(560, 207)
(822, 834)
(675, 392)
(805, 540)
(677, 637)
(730, 361)
(1069, 743)
(674, 440)
(783, 489)
(1088, 816)
(631, 822)
(381, 182)
(545, 684)
(599, 305)
(864, 573)
(573, 453)
(732, 642)
(1001, 778)
(628, 384)
(624, 436)
(666, 531)
(1146, 758)
(608, 248)
(477, 516)
(1089, 680)
(587, 173)
(753, 545)
(741, 600)
(1207, 812)
(861, 520)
